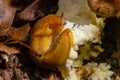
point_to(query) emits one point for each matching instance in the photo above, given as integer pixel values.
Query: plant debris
(8, 50)
(30, 11)
(19, 33)
(105, 8)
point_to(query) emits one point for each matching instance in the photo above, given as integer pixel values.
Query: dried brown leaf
(1, 78)
(9, 12)
(8, 50)
(105, 8)
(19, 33)
(1, 8)
(29, 12)
(4, 30)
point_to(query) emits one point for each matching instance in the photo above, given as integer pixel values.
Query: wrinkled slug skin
(50, 42)
(48, 26)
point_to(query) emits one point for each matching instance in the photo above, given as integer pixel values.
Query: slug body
(50, 40)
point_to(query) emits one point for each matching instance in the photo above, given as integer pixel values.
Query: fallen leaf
(8, 50)
(1, 78)
(19, 33)
(9, 12)
(7, 15)
(29, 12)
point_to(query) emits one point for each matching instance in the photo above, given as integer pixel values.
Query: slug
(51, 41)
